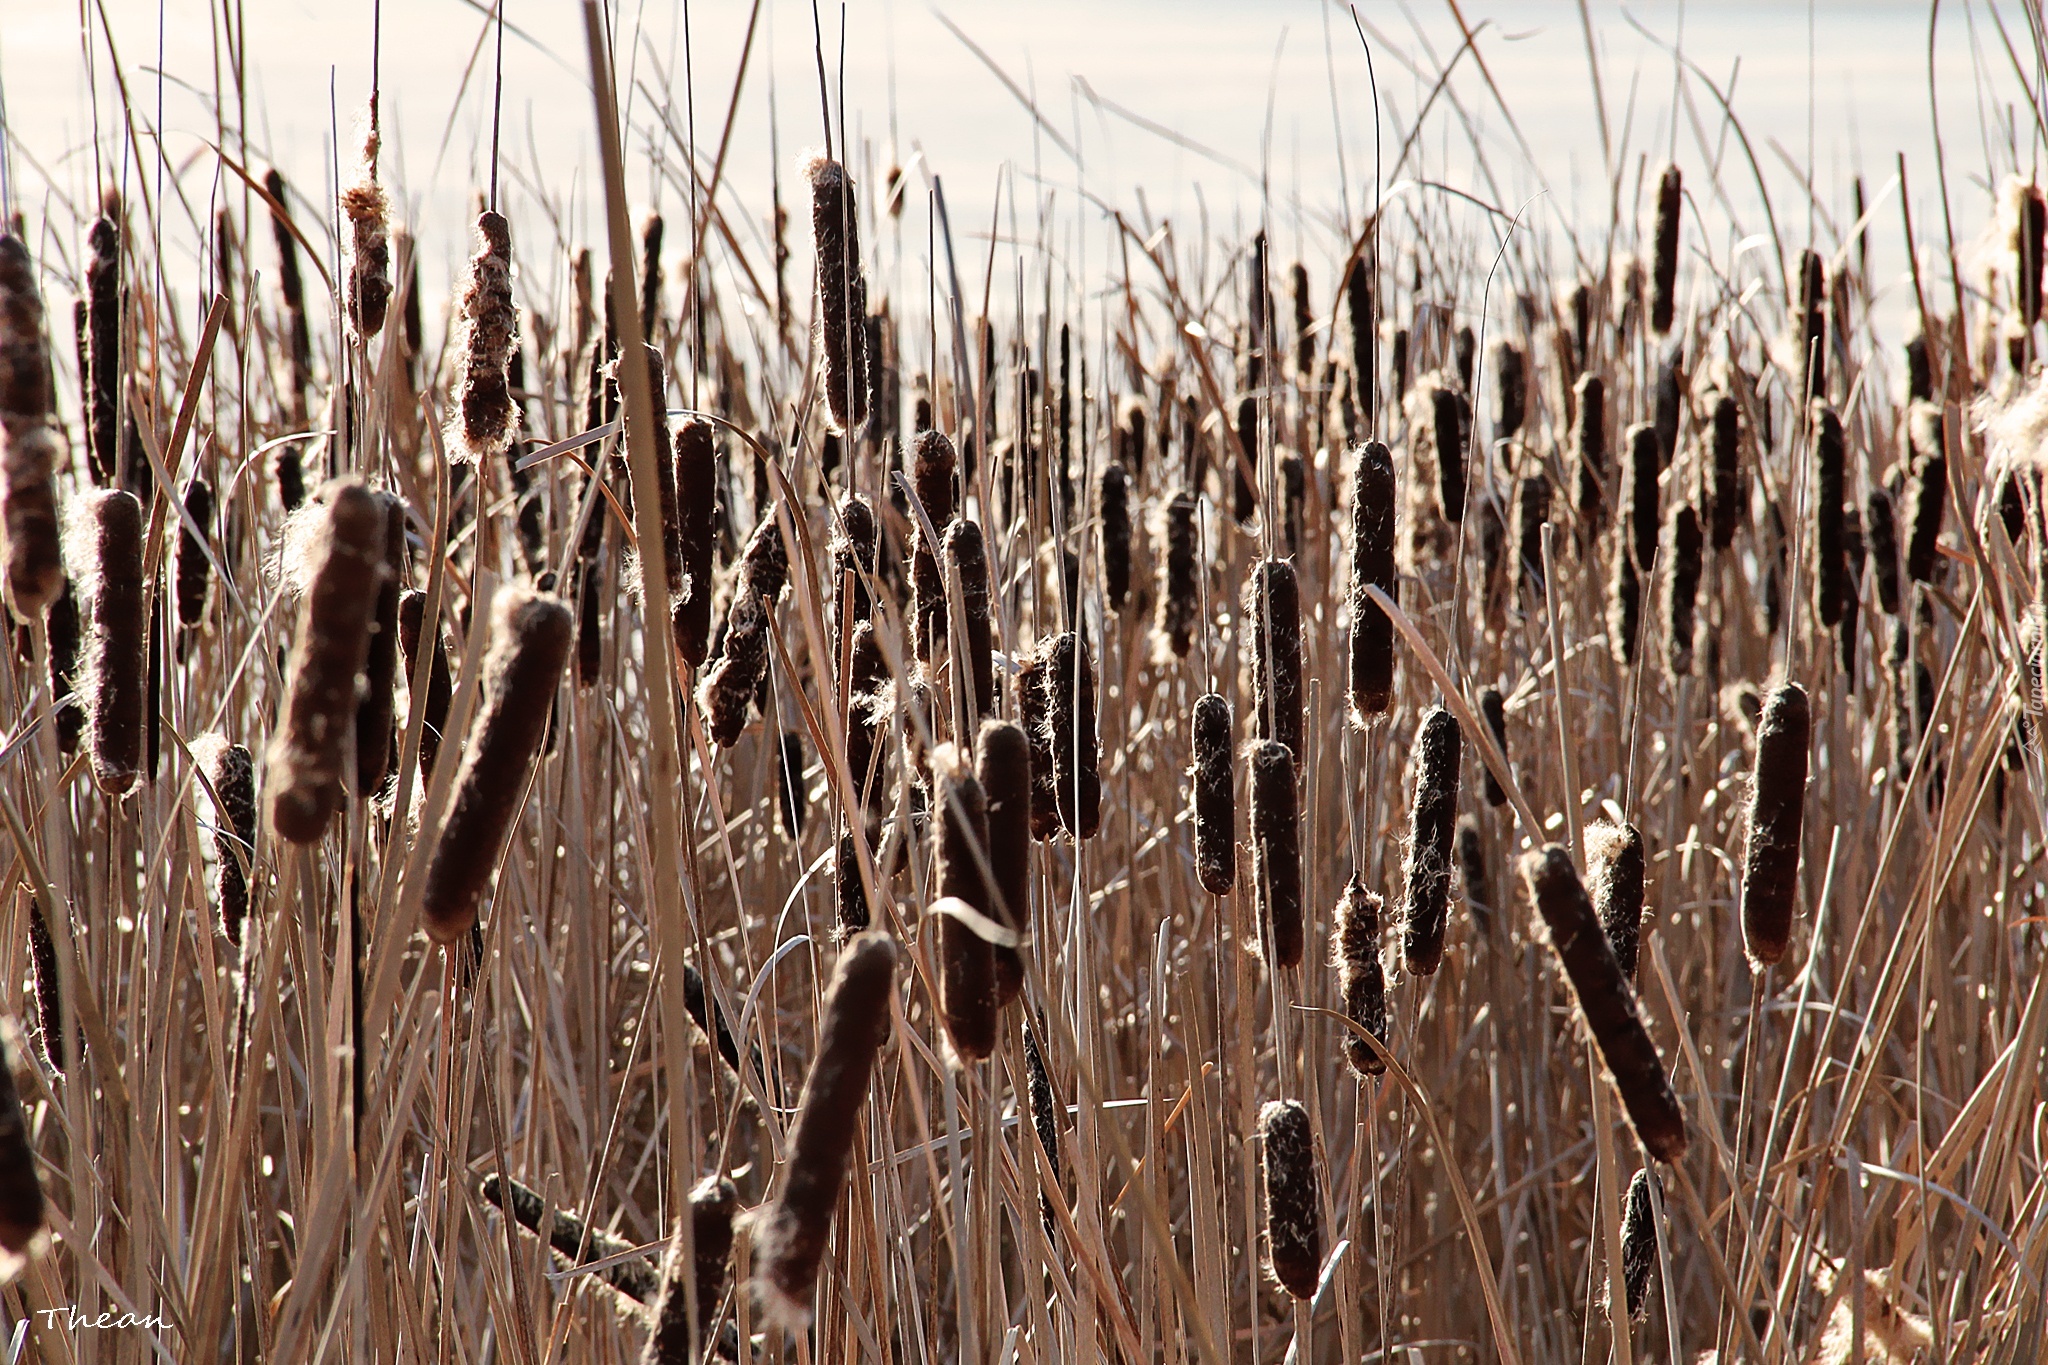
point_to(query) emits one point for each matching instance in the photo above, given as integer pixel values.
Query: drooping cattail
(115, 640)
(42, 958)
(842, 293)
(1605, 1001)
(1682, 588)
(30, 450)
(1493, 709)
(1927, 504)
(1276, 849)
(1355, 947)
(367, 209)
(1532, 512)
(1449, 417)
(1003, 767)
(1294, 1209)
(1273, 622)
(412, 606)
(1664, 254)
(530, 636)
(488, 325)
(1365, 361)
(673, 1337)
(1638, 1244)
(1113, 502)
(1179, 599)
(791, 1231)
(731, 681)
(21, 1191)
(1881, 532)
(1777, 807)
(1589, 451)
(1069, 682)
(195, 570)
(572, 1238)
(1373, 501)
(338, 559)
(1724, 472)
(1812, 336)
(1614, 877)
(967, 555)
(1828, 550)
(934, 467)
(230, 774)
(1510, 382)
(966, 960)
(104, 305)
(1215, 796)
(376, 712)
(1432, 817)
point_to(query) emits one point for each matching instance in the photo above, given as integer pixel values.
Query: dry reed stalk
(230, 772)
(1355, 948)
(1069, 728)
(195, 570)
(103, 309)
(842, 293)
(1045, 1118)
(1605, 1001)
(1589, 453)
(1276, 849)
(1493, 709)
(368, 210)
(673, 1337)
(1724, 472)
(968, 999)
(440, 687)
(967, 553)
(21, 1190)
(1433, 815)
(730, 683)
(1682, 588)
(1215, 797)
(49, 982)
(571, 1238)
(1614, 877)
(1003, 767)
(1113, 505)
(1510, 390)
(1179, 599)
(1664, 252)
(376, 713)
(1294, 1225)
(1777, 807)
(790, 1232)
(488, 328)
(530, 638)
(1272, 620)
(30, 450)
(1830, 553)
(1373, 518)
(934, 469)
(116, 639)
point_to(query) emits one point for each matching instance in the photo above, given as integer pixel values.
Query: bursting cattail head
(1605, 1001)
(967, 555)
(1273, 621)
(842, 293)
(696, 485)
(1638, 1244)
(1276, 849)
(230, 774)
(1294, 1208)
(1069, 682)
(1371, 687)
(1432, 818)
(1355, 947)
(730, 683)
(1614, 876)
(1179, 599)
(489, 328)
(368, 210)
(1682, 587)
(1113, 501)
(966, 960)
(115, 643)
(337, 559)
(1777, 802)
(21, 1190)
(673, 1337)
(1002, 764)
(1215, 796)
(1664, 253)
(530, 636)
(791, 1231)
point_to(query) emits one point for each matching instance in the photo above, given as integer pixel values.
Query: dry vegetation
(1219, 812)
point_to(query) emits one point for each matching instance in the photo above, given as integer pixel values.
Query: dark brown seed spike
(1777, 801)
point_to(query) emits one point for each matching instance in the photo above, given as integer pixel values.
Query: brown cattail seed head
(1294, 1227)
(376, 714)
(1724, 472)
(1432, 818)
(1589, 451)
(2025, 212)
(1532, 511)
(1372, 566)
(696, 484)
(573, 1238)
(1448, 420)
(1002, 763)
(1113, 500)
(1812, 372)
(100, 351)
(1511, 383)
(64, 669)
(1638, 1243)
(673, 1337)
(1358, 292)
(338, 555)
(1493, 709)
(1777, 803)
(966, 960)
(1069, 681)
(21, 1191)
(1179, 601)
(1639, 495)
(116, 656)
(729, 685)
(1355, 946)
(1276, 849)
(1664, 253)
(42, 955)
(30, 538)
(24, 351)
(1829, 549)
(369, 277)
(489, 328)
(1215, 796)
(195, 570)
(530, 635)
(853, 564)
(790, 1235)
(230, 774)
(1477, 886)
(934, 466)
(1881, 530)
(967, 556)
(1605, 1001)
(842, 293)
(1614, 876)
(1273, 621)
(1682, 587)
(1927, 503)
(440, 688)
(1033, 710)
(1045, 1115)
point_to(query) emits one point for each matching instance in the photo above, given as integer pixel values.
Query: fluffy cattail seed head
(1276, 849)
(854, 547)
(1777, 804)
(1273, 622)
(367, 209)
(1614, 876)
(1069, 682)
(489, 330)
(842, 293)
(730, 683)
(1432, 818)
(1215, 796)
(230, 774)
(116, 649)
(1638, 1244)
(1294, 1226)
(1355, 947)
(1179, 600)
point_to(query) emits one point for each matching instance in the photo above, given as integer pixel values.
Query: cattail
(673, 1336)
(842, 293)
(1033, 710)
(967, 553)
(369, 276)
(1682, 588)
(1355, 946)
(412, 606)
(1667, 406)
(1589, 450)
(1276, 849)
(1113, 500)
(1293, 495)
(1304, 323)
(230, 775)
(1478, 887)
(1358, 292)
(966, 962)
(1605, 1001)
(530, 634)
(1045, 1116)
(339, 559)
(708, 1017)
(115, 643)
(1130, 435)
(1882, 534)
(1372, 565)
(1493, 709)
(1664, 255)
(1179, 599)
(1777, 799)
(572, 1238)
(1432, 818)
(1069, 682)
(2026, 220)
(1002, 764)
(1580, 311)
(64, 668)
(790, 784)
(1510, 382)
(489, 330)
(1812, 372)
(1532, 512)
(1639, 495)
(1448, 422)
(1245, 498)
(24, 353)
(651, 230)
(30, 451)
(791, 1231)
(850, 904)
(1852, 597)
(1828, 549)
(42, 957)
(1399, 360)
(1927, 502)
(1614, 877)
(730, 683)
(1294, 1229)
(104, 306)
(934, 467)
(375, 713)
(1724, 472)
(1215, 796)
(589, 622)
(21, 1191)
(195, 570)
(1465, 351)
(1273, 620)
(1638, 1243)
(853, 547)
